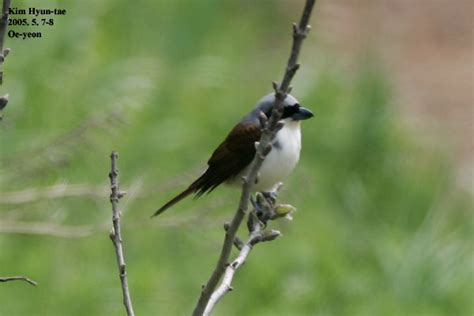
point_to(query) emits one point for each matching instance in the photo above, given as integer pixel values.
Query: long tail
(200, 186)
(207, 182)
(175, 200)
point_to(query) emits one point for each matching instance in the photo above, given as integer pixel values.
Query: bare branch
(3, 26)
(3, 51)
(238, 243)
(18, 278)
(263, 149)
(257, 234)
(300, 32)
(4, 99)
(115, 234)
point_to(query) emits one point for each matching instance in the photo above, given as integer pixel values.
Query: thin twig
(3, 51)
(229, 273)
(4, 99)
(115, 234)
(256, 235)
(18, 278)
(4, 23)
(272, 126)
(3, 32)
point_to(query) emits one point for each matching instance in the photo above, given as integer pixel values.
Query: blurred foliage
(381, 228)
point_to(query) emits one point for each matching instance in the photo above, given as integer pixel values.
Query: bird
(230, 161)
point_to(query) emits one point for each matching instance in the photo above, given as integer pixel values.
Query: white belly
(282, 159)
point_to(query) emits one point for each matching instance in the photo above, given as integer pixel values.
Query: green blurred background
(384, 223)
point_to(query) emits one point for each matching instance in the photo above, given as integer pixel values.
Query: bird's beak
(302, 114)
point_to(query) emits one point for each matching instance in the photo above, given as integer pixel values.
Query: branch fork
(116, 235)
(209, 294)
(3, 51)
(264, 209)
(19, 278)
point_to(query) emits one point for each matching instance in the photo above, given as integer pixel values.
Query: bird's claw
(270, 196)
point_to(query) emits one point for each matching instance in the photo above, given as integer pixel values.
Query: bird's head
(292, 110)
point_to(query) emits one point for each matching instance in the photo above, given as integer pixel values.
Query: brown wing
(230, 158)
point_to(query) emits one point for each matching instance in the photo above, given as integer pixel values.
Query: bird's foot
(265, 208)
(270, 196)
(262, 210)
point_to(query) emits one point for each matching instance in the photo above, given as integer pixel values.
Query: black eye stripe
(288, 110)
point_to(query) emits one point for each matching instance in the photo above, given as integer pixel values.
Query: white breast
(283, 157)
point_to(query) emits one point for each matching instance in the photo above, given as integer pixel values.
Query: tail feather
(207, 182)
(175, 200)
(195, 187)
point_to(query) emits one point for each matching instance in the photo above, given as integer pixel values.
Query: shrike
(231, 159)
